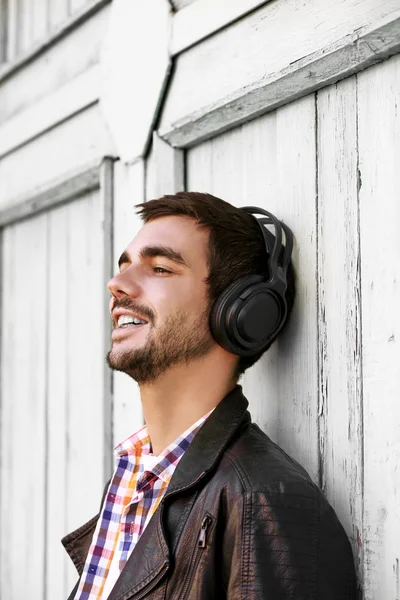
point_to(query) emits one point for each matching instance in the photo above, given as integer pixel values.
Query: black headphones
(249, 314)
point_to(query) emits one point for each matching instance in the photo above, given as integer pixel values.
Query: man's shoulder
(264, 467)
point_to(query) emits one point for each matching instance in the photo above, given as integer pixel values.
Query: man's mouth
(125, 321)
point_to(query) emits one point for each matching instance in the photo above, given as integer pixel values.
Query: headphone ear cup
(246, 315)
(222, 307)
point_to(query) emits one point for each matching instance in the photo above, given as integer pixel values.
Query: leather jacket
(240, 520)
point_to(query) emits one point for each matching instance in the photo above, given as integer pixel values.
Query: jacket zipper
(202, 541)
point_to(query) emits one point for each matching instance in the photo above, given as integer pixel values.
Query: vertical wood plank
(75, 5)
(107, 200)
(339, 308)
(58, 12)
(23, 399)
(39, 18)
(57, 384)
(85, 328)
(379, 159)
(164, 169)
(129, 182)
(270, 163)
(25, 25)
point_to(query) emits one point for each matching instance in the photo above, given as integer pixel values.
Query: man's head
(192, 246)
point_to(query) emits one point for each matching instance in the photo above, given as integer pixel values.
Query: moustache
(132, 306)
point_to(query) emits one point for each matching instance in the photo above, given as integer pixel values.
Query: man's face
(162, 281)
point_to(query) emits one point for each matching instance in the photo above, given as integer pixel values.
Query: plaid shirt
(139, 482)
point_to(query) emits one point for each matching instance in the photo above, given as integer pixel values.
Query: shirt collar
(162, 466)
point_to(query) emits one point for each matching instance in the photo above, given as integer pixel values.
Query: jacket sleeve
(286, 546)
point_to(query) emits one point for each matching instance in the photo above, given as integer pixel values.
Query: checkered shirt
(139, 482)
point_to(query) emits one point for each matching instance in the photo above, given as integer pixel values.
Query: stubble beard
(181, 339)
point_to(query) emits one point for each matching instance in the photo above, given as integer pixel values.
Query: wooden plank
(339, 309)
(75, 5)
(24, 400)
(203, 18)
(57, 411)
(3, 30)
(73, 97)
(39, 21)
(34, 79)
(249, 166)
(179, 4)
(72, 145)
(58, 14)
(379, 154)
(58, 192)
(128, 191)
(164, 169)
(107, 202)
(24, 27)
(249, 68)
(12, 33)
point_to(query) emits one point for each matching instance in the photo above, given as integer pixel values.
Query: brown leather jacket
(241, 520)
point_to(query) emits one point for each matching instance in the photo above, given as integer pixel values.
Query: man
(202, 504)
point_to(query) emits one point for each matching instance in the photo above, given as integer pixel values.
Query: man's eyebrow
(154, 251)
(166, 251)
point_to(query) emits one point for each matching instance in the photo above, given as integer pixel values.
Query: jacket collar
(151, 557)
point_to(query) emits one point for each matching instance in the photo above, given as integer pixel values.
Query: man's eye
(160, 270)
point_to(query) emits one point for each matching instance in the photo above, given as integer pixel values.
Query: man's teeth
(128, 320)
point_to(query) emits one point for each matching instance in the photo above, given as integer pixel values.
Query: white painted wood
(164, 169)
(39, 20)
(205, 17)
(85, 330)
(74, 144)
(24, 25)
(75, 5)
(130, 103)
(78, 94)
(58, 401)
(23, 433)
(251, 68)
(250, 166)
(12, 32)
(128, 190)
(379, 149)
(179, 4)
(58, 13)
(68, 58)
(339, 309)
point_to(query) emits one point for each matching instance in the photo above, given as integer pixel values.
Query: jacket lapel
(151, 557)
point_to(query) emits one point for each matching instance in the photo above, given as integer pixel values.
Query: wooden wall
(328, 390)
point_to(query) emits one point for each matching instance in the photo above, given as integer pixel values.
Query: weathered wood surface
(250, 68)
(75, 143)
(379, 156)
(204, 17)
(165, 169)
(129, 182)
(23, 412)
(52, 69)
(339, 309)
(37, 119)
(250, 166)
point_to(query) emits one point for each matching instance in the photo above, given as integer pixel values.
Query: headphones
(250, 312)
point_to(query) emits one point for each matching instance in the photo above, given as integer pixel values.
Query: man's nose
(124, 284)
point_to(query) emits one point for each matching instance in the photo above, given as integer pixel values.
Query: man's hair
(236, 245)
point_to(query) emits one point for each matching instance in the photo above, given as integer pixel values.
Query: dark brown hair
(235, 244)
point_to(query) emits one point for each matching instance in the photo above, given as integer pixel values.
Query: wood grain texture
(164, 169)
(58, 402)
(71, 146)
(205, 17)
(266, 60)
(251, 166)
(23, 431)
(339, 310)
(52, 69)
(37, 119)
(379, 150)
(129, 182)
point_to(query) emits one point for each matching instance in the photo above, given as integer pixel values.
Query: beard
(180, 339)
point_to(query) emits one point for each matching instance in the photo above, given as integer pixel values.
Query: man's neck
(181, 396)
